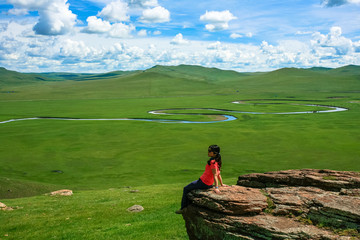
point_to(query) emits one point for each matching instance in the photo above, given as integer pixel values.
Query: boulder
(63, 192)
(324, 179)
(3, 207)
(233, 200)
(321, 206)
(135, 208)
(292, 204)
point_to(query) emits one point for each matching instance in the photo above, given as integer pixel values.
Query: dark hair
(216, 150)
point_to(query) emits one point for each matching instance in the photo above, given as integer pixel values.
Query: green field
(101, 161)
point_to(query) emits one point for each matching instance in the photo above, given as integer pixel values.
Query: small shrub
(329, 178)
(271, 205)
(348, 232)
(306, 221)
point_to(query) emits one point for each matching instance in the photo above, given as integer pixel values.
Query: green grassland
(99, 160)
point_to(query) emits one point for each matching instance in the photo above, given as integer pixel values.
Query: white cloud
(72, 48)
(216, 16)
(236, 35)
(115, 11)
(303, 32)
(97, 25)
(120, 30)
(333, 42)
(142, 33)
(216, 20)
(216, 45)
(116, 30)
(157, 32)
(32, 5)
(18, 11)
(179, 40)
(357, 47)
(99, 53)
(155, 15)
(55, 16)
(57, 19)
(3, 27)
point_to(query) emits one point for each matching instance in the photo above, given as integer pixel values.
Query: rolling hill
(175, 81)
(84, 76)
(12, 78)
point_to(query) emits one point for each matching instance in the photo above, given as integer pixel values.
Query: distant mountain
(183, 80)
(195, 72)
(59, 76)
(288, 80)
(346, 70)
(84, 76)
(182, 71)
(8, 77)
(319, 69)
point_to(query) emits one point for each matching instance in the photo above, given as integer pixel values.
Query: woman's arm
(216, 175)
(220, 179)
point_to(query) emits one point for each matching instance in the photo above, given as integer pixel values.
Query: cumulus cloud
(57, 19)
(18, 11)
(155, 15)
(236, 35)
(179, 40)
(84, 54)
(249, 35)
(216, 45)
(142, 33)
(71, 48)
(120, 30)
(3, 27)
(116, 11)
(110, 21)
(116, 30)
(55, 16)
(334, 3)
(97, 25)
(334, 42)
(216, 20)
(33, 5)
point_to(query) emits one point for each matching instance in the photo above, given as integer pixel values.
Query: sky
(95, 36)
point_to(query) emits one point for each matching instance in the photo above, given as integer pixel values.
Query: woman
(206, 181)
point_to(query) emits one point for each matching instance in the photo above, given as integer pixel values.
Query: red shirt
(208, 176)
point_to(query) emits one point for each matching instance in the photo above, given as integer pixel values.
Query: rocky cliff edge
(292, 204)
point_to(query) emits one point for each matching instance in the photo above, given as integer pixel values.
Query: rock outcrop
(293, 204)
(135, 208)
(63, 192)
(3, 207)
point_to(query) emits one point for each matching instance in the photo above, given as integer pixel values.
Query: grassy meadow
(102, 161)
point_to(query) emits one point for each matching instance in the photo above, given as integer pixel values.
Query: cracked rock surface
(292, 204)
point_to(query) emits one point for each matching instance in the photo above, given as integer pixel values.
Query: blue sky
(242, 35)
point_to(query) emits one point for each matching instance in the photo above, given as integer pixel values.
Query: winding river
(222, 117)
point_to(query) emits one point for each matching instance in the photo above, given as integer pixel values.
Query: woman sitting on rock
(206, 181)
